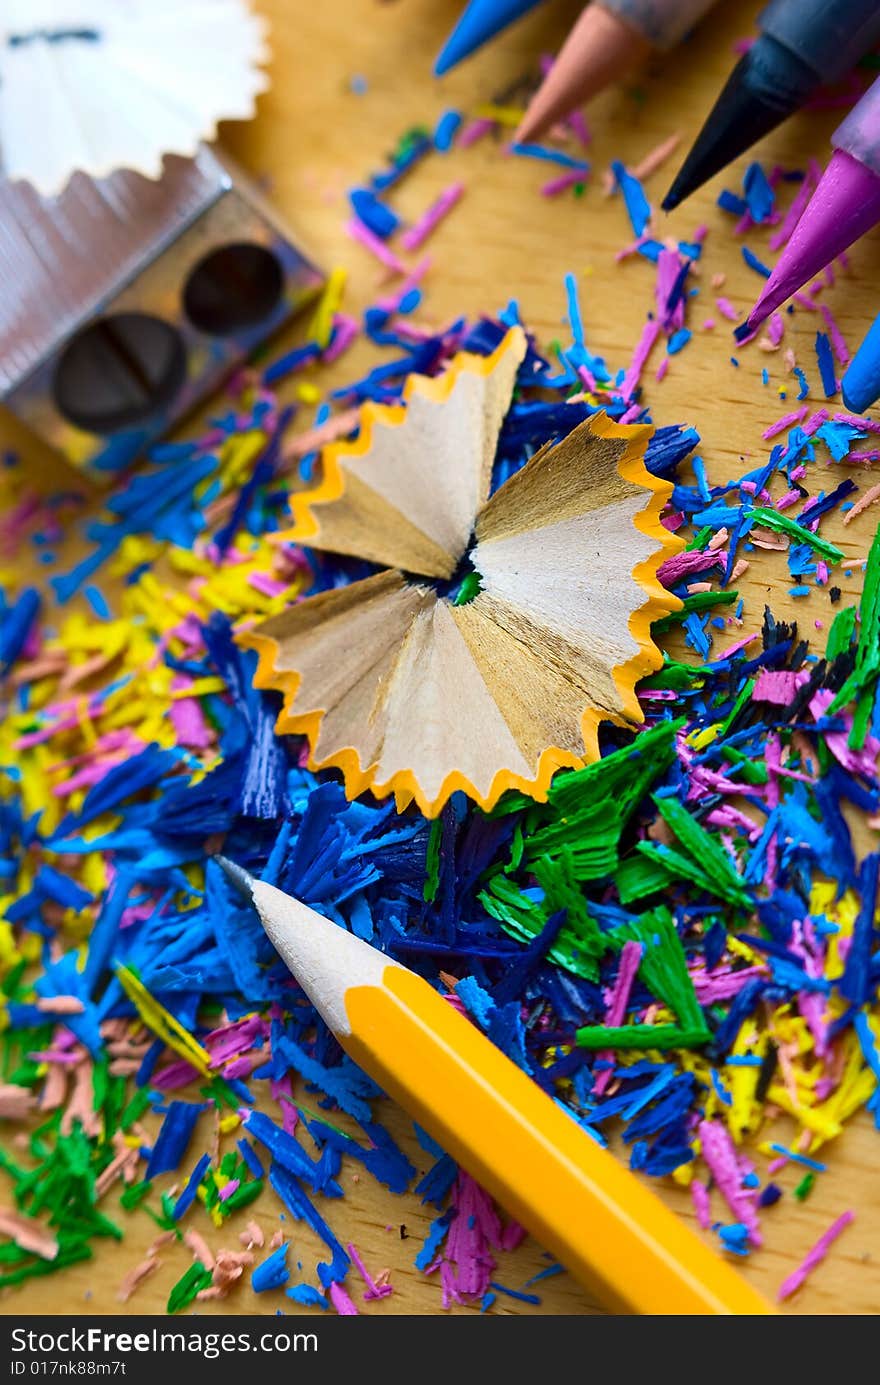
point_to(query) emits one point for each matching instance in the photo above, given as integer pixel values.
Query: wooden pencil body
(605, 1226)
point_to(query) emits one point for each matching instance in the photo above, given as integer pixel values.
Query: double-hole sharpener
(125, 302)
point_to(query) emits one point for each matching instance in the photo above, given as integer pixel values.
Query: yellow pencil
(605, 1226)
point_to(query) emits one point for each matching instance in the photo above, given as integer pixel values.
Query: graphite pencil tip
(240, 879)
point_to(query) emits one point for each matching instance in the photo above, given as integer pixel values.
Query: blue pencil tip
(860, 385)
(480, 22)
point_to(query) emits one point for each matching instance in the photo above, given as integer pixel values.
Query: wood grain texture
(314, 138)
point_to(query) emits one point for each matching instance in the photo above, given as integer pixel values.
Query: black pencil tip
(240, 879)
(749, 107)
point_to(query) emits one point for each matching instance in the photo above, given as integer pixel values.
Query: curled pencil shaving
(500, 631)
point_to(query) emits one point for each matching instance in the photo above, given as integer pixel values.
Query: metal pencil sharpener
(124, 303)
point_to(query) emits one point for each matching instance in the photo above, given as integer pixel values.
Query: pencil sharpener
(125, 302)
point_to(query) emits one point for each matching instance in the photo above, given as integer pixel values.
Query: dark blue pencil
(803, 44)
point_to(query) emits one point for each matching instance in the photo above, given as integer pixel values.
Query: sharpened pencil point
(480, 21)
(599, 49)
(764, 88)
(240, 879)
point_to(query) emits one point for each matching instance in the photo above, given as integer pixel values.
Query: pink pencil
(844, 206)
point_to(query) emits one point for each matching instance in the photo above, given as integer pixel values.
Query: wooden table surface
(316, 135)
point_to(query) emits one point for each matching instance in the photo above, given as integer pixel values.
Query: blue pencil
(480, 22)
(861, 383)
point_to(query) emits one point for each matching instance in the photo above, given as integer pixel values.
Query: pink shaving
(419, 233)
(815, 421)
(700, 1197)
(668, 269)
(28, 1234)
(81, 1103)
(136, 1277)
(777, 686)
(374, 1289)
(251, 1236)
(341, 1301)
(474, 131)
(122, 1164)
(783, 503)
(656, 157)
(775, 329)
(870, 497)
(632, 248)
(796, 210)
(263, 582)
(682, 564)
(841, 350)
(563, 182)
(864, 425)
(720, 1158)
(231, 1039)
(15, 1102)
(345, 330)
(726, 309)
(710, 989)
(862, 761)
(301, 444)
(200, 1248)
(815, 1256)
(579, 127)
(187, 717)
(60, 1005)
(392, 301)
(803, 301)
(174, 1076)
(364, 236)
(773, 760)
(630, 957)
(230, 1266)
(473, 1234)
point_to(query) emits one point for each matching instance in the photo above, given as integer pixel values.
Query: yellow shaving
(162, 1024)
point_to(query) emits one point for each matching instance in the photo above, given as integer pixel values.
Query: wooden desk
(315, 136)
